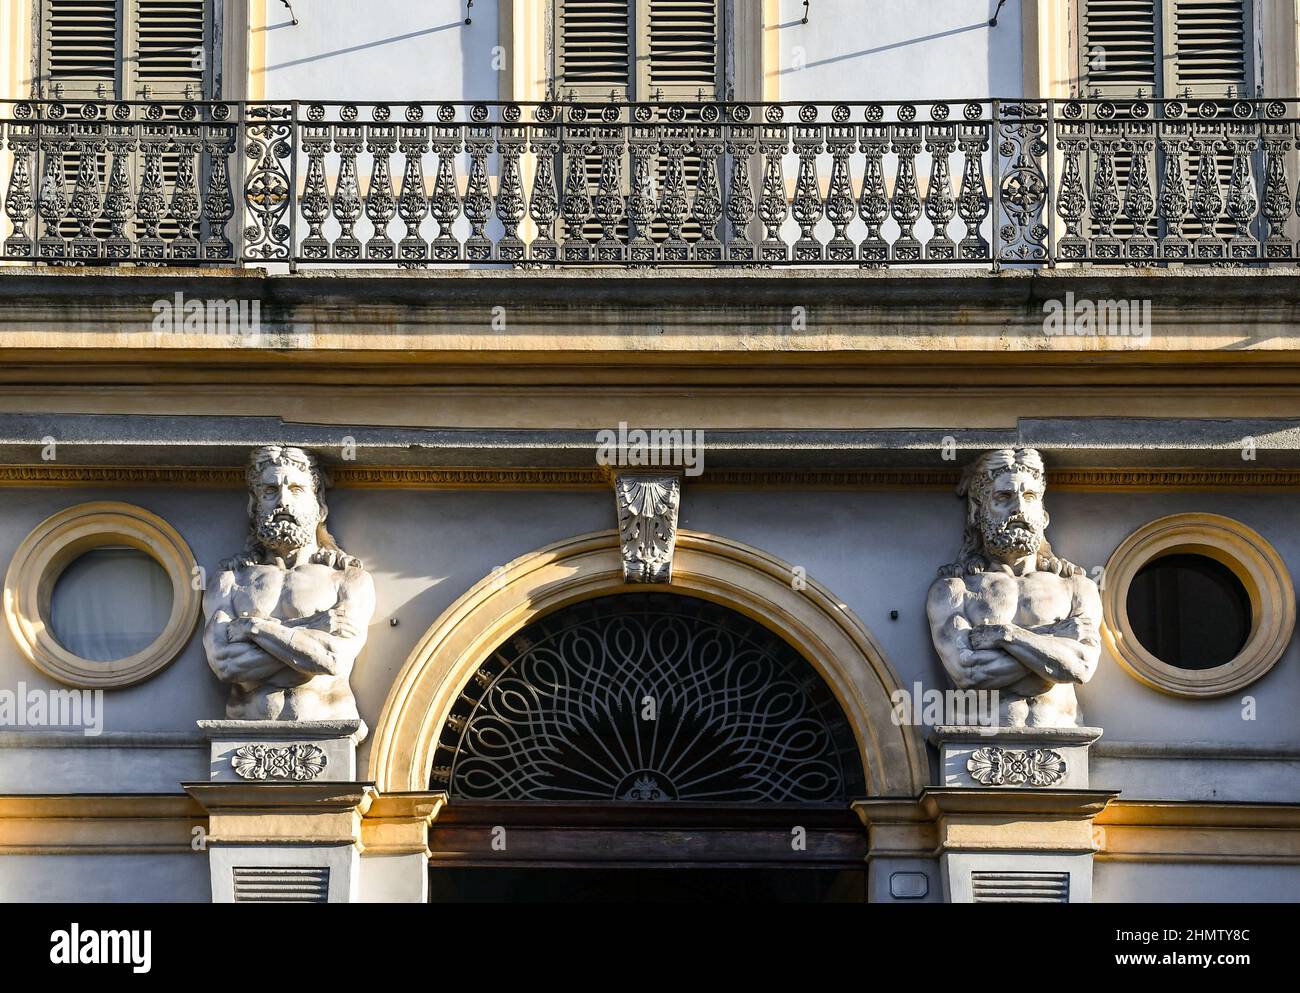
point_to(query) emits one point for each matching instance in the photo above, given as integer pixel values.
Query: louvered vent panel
(1210, 47)
(270, 884)
(1021, 887)
(81, 45)
(595, 47)
(1120, 53)
(682, 42)
(169, 37)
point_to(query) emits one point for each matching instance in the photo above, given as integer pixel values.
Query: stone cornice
(96, 824)
(1185, 831)
(1162, 831)
(406, 477)
(398, 823)
(698, 323)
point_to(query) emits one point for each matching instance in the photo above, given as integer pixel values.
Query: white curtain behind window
(110, 603)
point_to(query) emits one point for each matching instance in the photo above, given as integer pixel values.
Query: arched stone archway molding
(821, 628)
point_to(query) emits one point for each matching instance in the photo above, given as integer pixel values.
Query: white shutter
(172, 57)
(593, 48)
(1206, 41)
(81, 48)
(678, 52)
(1119, 54)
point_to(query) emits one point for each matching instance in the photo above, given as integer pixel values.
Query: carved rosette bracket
(298, 762)
(996, 766)
(647, 524)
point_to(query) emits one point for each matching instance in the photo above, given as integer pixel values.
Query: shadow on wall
(394, 53)
(814, 45)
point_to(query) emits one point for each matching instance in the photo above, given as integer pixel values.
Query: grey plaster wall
(1125, 882)
(354, 50)
(105, 878)
(878, 551)
(881, 50)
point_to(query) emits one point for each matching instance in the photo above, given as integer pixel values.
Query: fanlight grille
(644, 698)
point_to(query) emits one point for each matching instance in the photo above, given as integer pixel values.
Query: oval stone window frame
(60, 540)
(1254, 562)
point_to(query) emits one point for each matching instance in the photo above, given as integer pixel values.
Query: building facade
(508, 450)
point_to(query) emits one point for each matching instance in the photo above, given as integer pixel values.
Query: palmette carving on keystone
(1008, 614)
(288, 616)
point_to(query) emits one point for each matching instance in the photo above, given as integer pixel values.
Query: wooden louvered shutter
(127, 49)
(172, 56)
(81, 49)
(1120, 52)
(593, 49)
(1207, 49)
(677, 53)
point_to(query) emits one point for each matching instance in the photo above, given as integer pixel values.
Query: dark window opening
(1189, 611)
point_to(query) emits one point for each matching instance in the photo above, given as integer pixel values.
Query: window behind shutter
(1206, 40)
(172, 61)
(1119, 54)
(81, 48)
(593, 48)
(678, 55)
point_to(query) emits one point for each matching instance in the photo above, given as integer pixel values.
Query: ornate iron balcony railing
(985, 183)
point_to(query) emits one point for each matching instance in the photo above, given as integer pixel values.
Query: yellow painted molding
(58, 541)
(92, 824)
(771, 68)
(274, 813)
(398, 823)
(813, 621)
(1020, 820)
(1229, 833)
(943, 820)
(257, 31)
(15, 49)
(1253, 561)
(898, 828)
(1143, 831)
(1047, 32)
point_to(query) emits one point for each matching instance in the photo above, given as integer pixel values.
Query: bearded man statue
(1009, 615)
(287, 616)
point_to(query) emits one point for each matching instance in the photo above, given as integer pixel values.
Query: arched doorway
(782, 694)
(647, 746)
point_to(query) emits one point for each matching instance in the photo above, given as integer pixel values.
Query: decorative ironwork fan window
(648, 697)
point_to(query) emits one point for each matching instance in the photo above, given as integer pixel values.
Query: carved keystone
(647, 524)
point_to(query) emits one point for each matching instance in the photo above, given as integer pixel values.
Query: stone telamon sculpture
(1009, 615)
(287, 616)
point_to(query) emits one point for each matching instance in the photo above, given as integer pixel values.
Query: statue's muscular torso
(1039, 601)
(307, 596)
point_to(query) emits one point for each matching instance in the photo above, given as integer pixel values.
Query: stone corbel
(647, 523)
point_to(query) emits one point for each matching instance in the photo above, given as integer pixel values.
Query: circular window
(1197, 605)
(110, 603)
(1189, 611)
(102, 595)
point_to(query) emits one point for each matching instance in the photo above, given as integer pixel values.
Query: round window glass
(1189, 611)
(110, 603)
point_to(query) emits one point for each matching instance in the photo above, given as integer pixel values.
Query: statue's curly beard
(282, 533)
(1013, 538)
